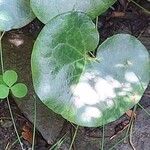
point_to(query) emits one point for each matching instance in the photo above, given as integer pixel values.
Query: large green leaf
(88, 93)
(47, 9)
(14, 14)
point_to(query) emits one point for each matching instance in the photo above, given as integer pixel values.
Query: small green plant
(13, 14)
(8, 83)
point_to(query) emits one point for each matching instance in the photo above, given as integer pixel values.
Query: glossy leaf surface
(14, 14)
(88, 92)
(47, 9)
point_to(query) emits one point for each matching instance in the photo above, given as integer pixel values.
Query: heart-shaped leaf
(4, 91)
(47, 9)
(19, 90)
(88, 93)
(14, 14)
(10, 77)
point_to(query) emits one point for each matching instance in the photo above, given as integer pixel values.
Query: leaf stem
(103, 138)
(130, 135)
(129, 130)
(97, 23)
(13, 121)
(10, 110)
(59, 142)
(145, 10)
(1, 52)
(15, 142)
(127, 134)
(33, 139)
(73, 138)
(119, 142)
(144, 109)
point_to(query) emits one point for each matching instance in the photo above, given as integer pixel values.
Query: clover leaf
(10, 77)
(7, 84)
(4, 91)
(1, 79)
(19, 90)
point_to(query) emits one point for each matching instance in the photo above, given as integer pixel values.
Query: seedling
(8, 84)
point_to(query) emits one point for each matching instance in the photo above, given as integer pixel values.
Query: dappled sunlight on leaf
(87, 92)
(131, 77)
(89, 113)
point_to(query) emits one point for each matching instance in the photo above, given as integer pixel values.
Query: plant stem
(33, 139)
(15, 142)
(73, 138)
(1, 52)
(120, 141)
(130, 135)
(129, 131)
(11, 114)
(148, 12)
(59, 142)
(144, 109)
(13, 121)
(103, 138)
(97, 23)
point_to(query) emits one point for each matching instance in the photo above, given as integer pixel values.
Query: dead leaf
(117, 14)
(129, 113)
(120, 128)
(27, 133)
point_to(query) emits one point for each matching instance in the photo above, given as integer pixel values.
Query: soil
(7, 133)
(123, 17)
